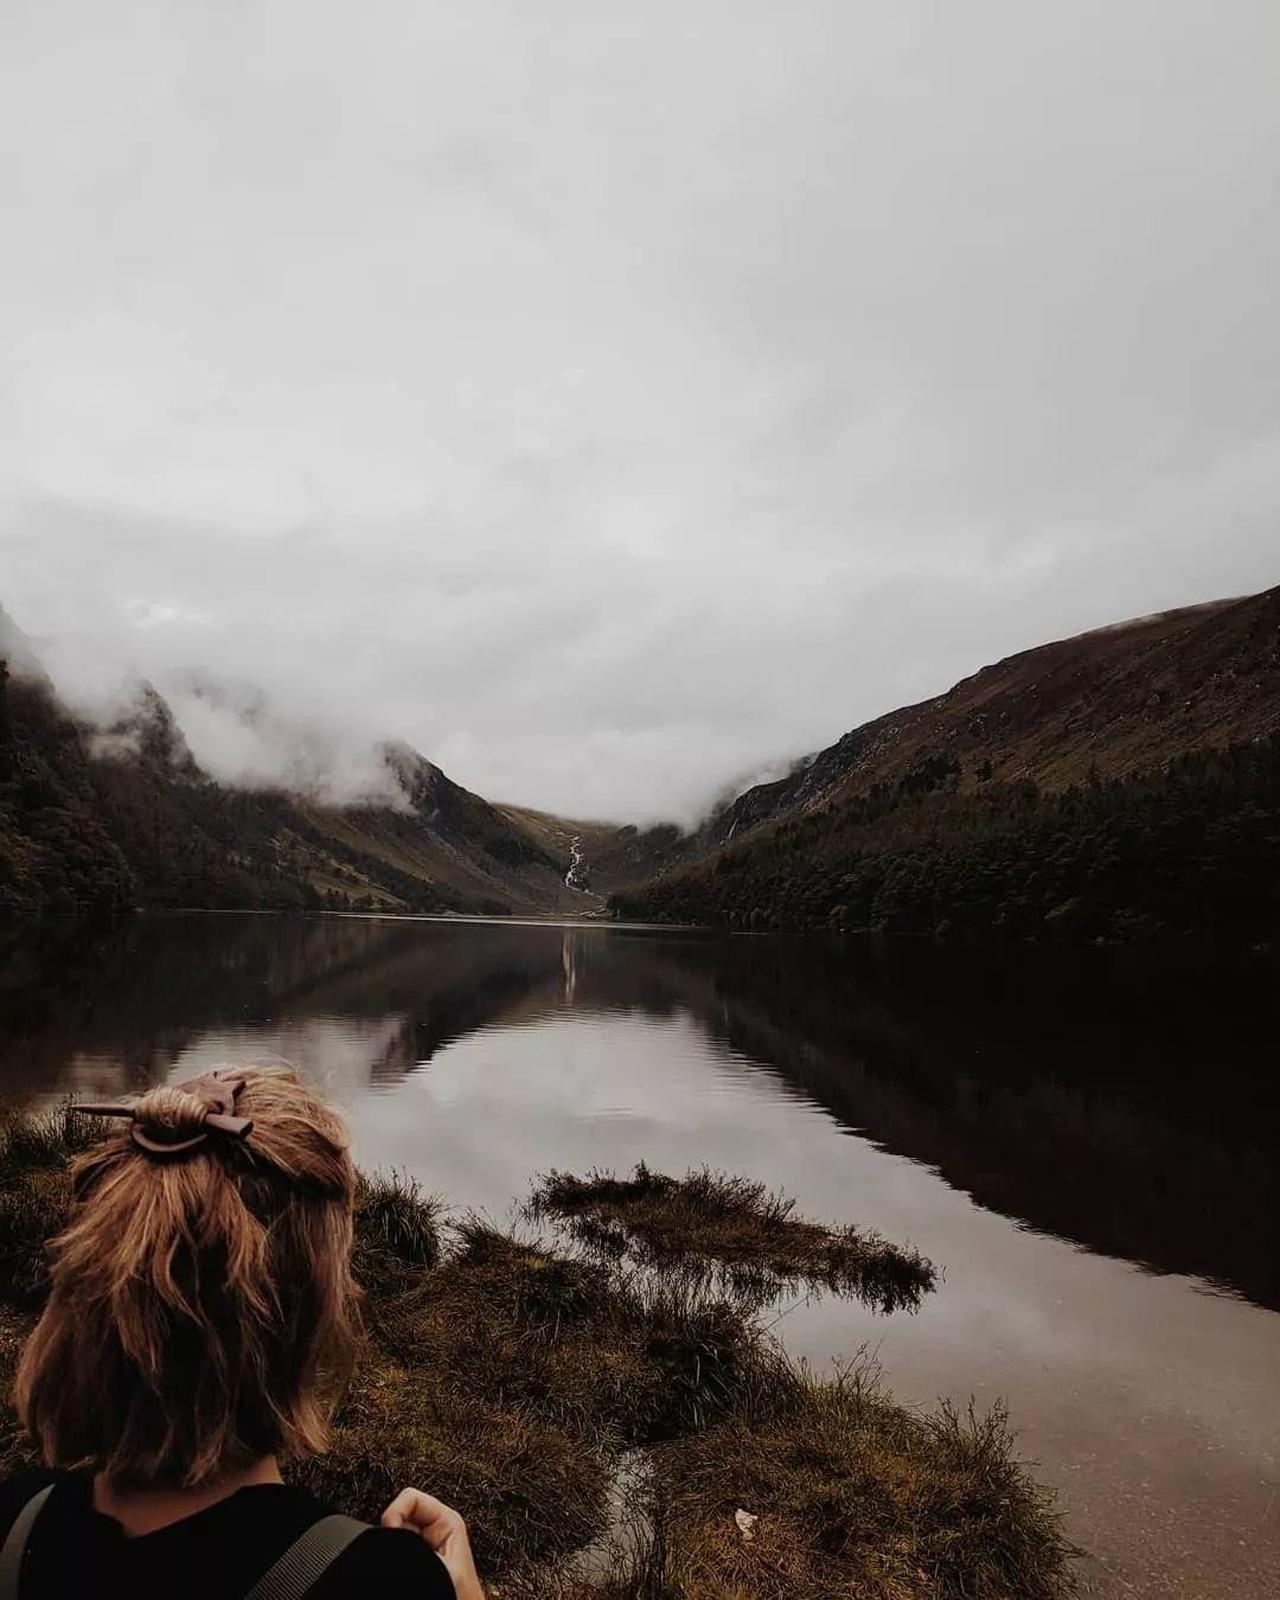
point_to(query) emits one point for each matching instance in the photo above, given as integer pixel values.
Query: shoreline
(533, 1383)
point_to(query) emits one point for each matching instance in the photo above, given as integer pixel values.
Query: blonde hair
(202, 1311)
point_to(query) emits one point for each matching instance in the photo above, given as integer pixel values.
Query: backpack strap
(304, 1563)
(15, 1546)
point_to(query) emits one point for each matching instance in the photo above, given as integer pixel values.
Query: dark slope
(1102, 704)
(611, 855)
(56, 855)
(1122, 783)
(95, 821)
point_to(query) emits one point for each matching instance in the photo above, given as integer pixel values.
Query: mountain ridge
(1003, 803)
(109, 816)
(887, 745)
(98, 819)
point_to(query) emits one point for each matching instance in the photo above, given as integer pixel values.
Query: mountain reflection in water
(1085, 1146)
(1122, 1100)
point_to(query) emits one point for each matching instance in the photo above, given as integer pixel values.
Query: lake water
(1086, 1146)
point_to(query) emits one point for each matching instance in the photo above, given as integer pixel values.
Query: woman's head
(202, 1309)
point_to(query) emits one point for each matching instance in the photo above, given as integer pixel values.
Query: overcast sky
(608, 398)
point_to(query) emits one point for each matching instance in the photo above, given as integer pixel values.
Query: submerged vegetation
(616, 1425)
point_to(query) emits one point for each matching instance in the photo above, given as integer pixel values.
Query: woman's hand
(444, 1530)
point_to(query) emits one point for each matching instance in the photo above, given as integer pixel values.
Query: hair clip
(215, 1090)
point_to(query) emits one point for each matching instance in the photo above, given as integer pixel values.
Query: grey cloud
(609, 401)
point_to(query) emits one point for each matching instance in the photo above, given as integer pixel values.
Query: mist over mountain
(17, 650)
(241, 738)
(238, 733)
(99, 816)
(1118, 783)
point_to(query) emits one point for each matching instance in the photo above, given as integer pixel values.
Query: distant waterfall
(579, 873)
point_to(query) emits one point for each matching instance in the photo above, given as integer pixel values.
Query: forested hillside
(1105, 704)
(1122, 784)
(96, 821)
(56, 857)
(1193, 847)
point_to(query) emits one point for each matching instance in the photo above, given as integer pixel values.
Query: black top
(217, 1554)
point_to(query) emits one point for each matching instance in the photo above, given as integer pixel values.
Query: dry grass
(398, 1231)
(599, 1354)
(34, 1193)
(45, 1140)
(532, 1491)
(855, 1497)
(524, 1385)
(729, 1232)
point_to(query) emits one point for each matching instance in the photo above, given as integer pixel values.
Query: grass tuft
(720, 1230)
(397, 1230)
(854, 1496)
(30, 1212)
(44, 1141)
(599, 1353)
(532, 1493)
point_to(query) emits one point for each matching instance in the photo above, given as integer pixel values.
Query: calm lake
(1087, 1147)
